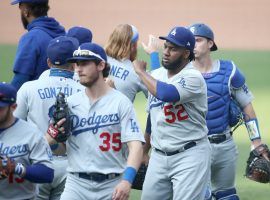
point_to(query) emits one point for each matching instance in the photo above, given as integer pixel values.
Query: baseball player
(224, 82)
(31, 57)
(180, 160)
(83, 35)
(36, 99)
(103, 129)
(121, 49)
(23, 149)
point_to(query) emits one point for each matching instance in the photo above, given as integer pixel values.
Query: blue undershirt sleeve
(19, 79)
(167, 92)
(154, 60)
(39, 173)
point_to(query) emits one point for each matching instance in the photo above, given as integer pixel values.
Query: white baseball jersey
(125, 78)
(175, 124)
(24, 143)
(100, 131)
(36, 98)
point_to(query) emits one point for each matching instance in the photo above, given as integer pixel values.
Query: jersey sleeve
(130, 129)
(40, 152)
(242, 95)
(22, 106)
(26, 55)
(189, 87)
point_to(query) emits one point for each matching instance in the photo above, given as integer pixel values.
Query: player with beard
(121, 49)
(31, 57)
(179, 163)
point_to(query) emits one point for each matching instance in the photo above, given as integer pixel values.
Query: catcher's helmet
(203, 30)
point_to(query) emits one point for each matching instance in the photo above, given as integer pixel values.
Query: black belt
(216, 139)
(97, 177)
(185, 147)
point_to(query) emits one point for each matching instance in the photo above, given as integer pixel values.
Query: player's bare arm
(122, 190)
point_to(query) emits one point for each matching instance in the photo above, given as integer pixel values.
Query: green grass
(254, 64)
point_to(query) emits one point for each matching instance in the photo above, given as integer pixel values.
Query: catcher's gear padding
(140, 176)
(7, 166)
(258, 165)
(60, 111)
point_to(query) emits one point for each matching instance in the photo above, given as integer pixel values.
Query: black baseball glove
(258, 165)
(60, 111)
(139, 179)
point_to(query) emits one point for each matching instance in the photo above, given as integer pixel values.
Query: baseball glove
(7, 166)
(258, 165)
(60, 111)
(139, 179)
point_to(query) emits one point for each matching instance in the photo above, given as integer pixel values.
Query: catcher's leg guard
(229, 194)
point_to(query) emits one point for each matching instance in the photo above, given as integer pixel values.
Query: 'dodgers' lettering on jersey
(14, 151)
(51, 92)
(93, 123)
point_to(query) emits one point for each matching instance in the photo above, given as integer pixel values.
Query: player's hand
(152, 46)
(145, 159)
(57, 127)
(255, 144)
(121, 191)
(110, 82)
(139, 66)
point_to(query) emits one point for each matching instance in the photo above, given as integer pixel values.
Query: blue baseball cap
(205, 31)
(8, 94)
(29, 1)
(88, 51)
(182, 37)
(61, 48)
(83, 35)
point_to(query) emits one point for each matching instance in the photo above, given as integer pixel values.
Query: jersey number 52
(173, 112)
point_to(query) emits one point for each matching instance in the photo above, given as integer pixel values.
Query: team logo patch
(173, 32)
(182, 82)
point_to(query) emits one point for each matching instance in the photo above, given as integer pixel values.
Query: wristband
(129, 174)
(253, 129)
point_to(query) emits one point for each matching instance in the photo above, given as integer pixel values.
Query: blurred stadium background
(241, 32)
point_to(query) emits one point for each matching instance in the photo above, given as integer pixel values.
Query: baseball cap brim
(82, 58)
(171, 40)
(4, 104)
(15, 2)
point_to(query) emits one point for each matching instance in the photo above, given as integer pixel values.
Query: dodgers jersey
(24, 143)
(175, 124)
(36, 98)
(100, 131)
(125, 78)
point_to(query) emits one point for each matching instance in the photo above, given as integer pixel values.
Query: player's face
(202, 47)
(173, 56)
(88, 72)
(5, 114)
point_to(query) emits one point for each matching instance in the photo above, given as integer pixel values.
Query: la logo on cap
(188, 44)
(192, 29)
(173, 32)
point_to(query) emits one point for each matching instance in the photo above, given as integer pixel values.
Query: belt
(218, 138)
(185, 147)
(97, 177)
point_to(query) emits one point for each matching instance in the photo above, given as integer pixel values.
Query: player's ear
(13, 106)
(186, 54)
(50, 65)
(101, 65)
(210, 44)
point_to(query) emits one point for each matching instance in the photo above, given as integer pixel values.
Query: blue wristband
(129, 174)
(154, 60)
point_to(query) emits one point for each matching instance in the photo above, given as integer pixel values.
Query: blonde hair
(119, 43)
